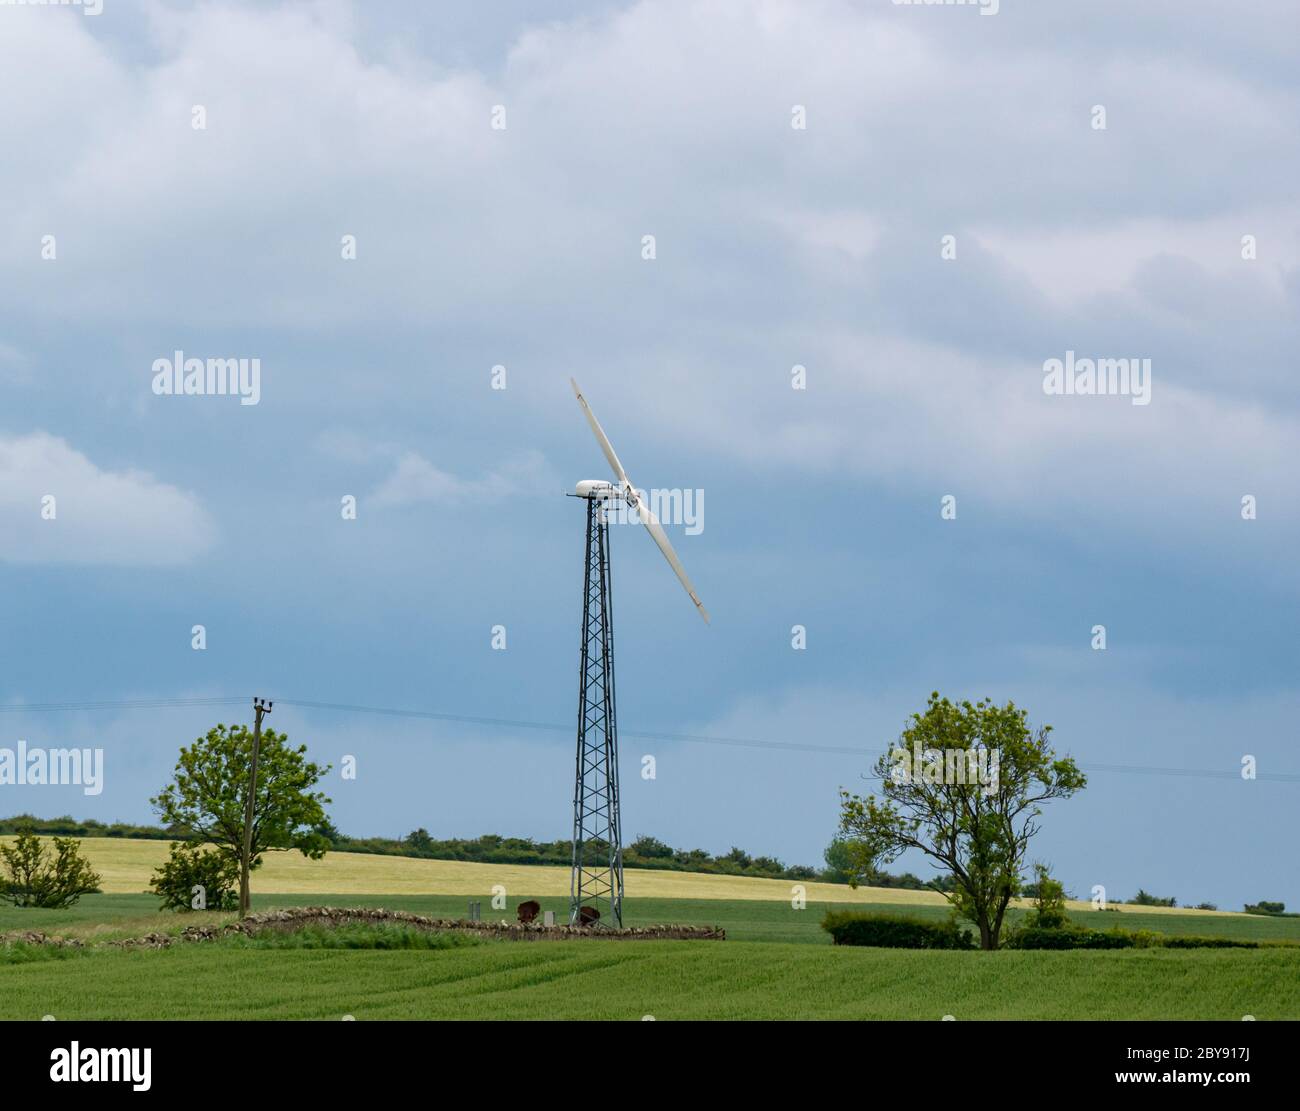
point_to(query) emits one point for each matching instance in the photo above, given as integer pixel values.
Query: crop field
(776, 963)
(126, 866)
(669, 980)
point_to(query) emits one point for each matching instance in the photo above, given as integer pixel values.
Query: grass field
(669, 980)
(776, 963)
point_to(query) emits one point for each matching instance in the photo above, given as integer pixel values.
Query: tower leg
(597, 878)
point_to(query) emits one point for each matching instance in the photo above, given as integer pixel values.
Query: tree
(207, 795)
(34, 881)
(651, 848)
(328, 830)
(964, 784)
(842, 864)
(419, 840)
(738, 857)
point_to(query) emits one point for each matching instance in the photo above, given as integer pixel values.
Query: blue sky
(775, 246)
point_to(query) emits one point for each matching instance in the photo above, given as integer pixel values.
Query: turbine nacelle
(596, 488)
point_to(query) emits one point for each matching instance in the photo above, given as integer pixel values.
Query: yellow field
(127, 865)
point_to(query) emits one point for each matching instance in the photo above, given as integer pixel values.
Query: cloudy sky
(775, 245)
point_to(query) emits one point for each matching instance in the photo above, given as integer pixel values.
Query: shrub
(894, 931)
(189, 866)
(1265, 907)
(33, 881)
(1049, 901)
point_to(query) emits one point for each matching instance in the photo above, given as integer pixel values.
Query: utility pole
(260, 709)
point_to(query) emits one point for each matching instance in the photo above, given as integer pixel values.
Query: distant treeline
(70, 827)
(644, 852)
(1146, 899)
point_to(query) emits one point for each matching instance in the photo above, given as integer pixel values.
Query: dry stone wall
(294, 918)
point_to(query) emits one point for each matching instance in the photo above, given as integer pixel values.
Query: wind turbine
(597, 833)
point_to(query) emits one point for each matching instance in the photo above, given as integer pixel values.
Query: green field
(776, 961)
(669, 980)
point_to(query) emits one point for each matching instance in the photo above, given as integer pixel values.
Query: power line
(140, 704)
(552, 727)
(509, 723)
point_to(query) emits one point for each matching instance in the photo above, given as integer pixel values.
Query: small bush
(33, 881)
(1049, 901)
(894, 931)
(189, 866)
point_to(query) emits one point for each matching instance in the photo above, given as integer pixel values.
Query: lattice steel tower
(597, 835)
(597, 878)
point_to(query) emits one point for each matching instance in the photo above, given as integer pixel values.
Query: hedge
(1076, 938)
(894, 931)
(1037, 937)
(1208, 943)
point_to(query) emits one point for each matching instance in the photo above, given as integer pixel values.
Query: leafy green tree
(975, 826)
(651, 848)
(327, 829)
(33, 881)
(420, 841)
(842, 864)
(215, 872)
(208, 792)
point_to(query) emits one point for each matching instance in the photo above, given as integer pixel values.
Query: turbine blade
(660, 537)
(601, 438)
(653, 527)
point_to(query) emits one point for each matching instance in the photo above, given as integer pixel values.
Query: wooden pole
(259, 709)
